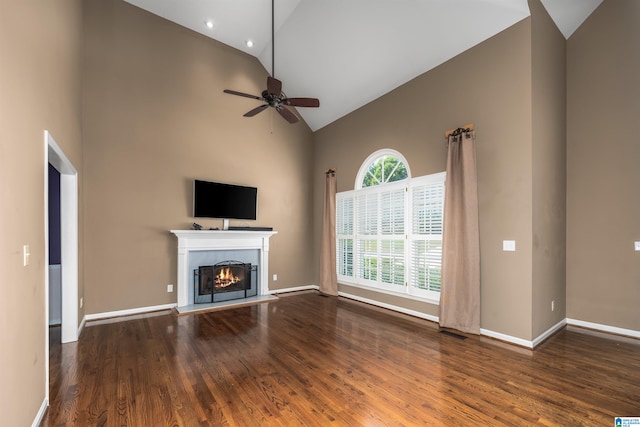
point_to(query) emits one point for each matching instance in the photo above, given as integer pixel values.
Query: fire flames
(226, 278)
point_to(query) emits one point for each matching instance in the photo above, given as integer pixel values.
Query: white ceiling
(570, 14)
(349, 52)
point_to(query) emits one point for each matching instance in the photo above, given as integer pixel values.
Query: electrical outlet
(275, 277)
(169, 288)
(553, 305)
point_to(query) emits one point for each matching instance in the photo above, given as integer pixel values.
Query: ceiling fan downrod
(273, 95)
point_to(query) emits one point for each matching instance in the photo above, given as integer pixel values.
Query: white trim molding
(82, 323)
(127, 312)
(69, 232)
(294, 289)
(604, 328)
(390, 307)
(364, 167)
(507, 338)
(546, 334)
(40, 415)
(531, 344)
(522, 342)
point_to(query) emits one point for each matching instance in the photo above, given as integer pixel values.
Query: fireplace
(223, 277)
(207, 247)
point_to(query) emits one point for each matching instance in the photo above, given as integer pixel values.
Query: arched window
(382, 167)
(389, 229)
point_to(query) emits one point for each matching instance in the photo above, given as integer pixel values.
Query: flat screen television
(225, 201)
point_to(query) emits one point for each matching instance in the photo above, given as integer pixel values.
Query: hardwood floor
(307, 360)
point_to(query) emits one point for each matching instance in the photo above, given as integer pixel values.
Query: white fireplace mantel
(211, 240)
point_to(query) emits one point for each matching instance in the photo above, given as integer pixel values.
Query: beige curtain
(460, 292)
(328, 274)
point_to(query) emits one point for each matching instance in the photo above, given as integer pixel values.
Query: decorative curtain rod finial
(458, 131)
(331, 171)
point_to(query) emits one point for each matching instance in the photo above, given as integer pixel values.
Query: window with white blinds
(390, 236)
(425, 238)
(344, 237)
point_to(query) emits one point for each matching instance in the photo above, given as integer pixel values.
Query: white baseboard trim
(293, 289)
(390, 307)
(522, 342)
(546, 334)
(40, 415)
(82, 323)
(497, 335)
(508, 338)
(604, 328)
(504, 337)
(128, 312)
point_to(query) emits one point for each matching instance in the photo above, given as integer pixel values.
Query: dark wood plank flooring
(307, 360)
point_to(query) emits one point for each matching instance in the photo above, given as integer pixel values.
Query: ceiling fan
(273, 95)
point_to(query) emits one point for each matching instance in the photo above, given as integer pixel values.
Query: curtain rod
(330, 171)
(458, 131)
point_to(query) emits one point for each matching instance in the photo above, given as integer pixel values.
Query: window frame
(351, 237)
(362, 172)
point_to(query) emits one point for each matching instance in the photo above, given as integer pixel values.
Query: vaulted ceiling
(349, 52)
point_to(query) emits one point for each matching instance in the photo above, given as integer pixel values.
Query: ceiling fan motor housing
(271, 99)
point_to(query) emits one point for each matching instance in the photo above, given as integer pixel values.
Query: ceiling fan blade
(287, 114)
(256, 110)
(302, 102)
(274, 86)
(246, 95)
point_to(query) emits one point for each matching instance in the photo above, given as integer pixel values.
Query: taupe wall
(603, 203)
(490, 86)
(40, 74)
(549, 169)
(155, 118)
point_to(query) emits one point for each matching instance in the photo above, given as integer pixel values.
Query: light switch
(509, 245)
(636, 246)
(25, 255)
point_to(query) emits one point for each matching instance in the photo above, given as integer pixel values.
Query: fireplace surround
(223, 277)
(197, 243)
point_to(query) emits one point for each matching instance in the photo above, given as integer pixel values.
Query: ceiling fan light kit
(273, 95)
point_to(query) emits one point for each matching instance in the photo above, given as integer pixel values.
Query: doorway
(68, 238)
(54, 259)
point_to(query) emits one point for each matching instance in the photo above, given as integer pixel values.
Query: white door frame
(69, 242)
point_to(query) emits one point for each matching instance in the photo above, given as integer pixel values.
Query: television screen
(226, 201)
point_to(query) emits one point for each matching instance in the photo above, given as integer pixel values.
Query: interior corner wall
(603, 207)
(490, 86)
(40, 74)
(155, 118)
(549, 170)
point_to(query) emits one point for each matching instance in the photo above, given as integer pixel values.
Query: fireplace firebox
(223, 277)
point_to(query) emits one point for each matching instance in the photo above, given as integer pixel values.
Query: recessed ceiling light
(209, 24)
(249, 43)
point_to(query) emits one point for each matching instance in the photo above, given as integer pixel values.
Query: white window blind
(425, 239)
(390, 236)
(345, 235)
